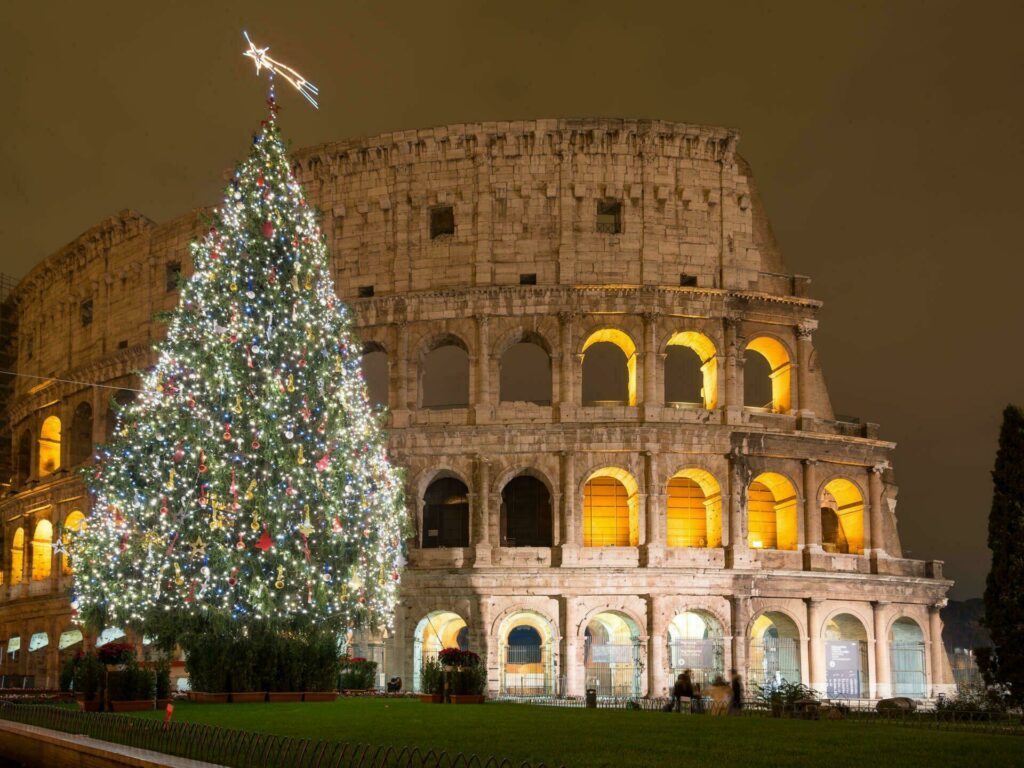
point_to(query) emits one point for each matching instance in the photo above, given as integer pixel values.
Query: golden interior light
(611, 509)
(778, 360)
(771, 513)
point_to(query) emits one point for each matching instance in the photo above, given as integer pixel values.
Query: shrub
(162, 672)
(67, 673)
(432, 677)
(88, 676)
(469, 681)
(782, 698)
(456, 657)
(133, 683)
(357, 674)
(972, 705)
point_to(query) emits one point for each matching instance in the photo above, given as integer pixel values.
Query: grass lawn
(580, 738)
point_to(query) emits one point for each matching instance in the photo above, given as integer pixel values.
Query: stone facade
(648, 237)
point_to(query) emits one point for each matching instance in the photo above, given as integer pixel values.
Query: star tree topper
(262, 61)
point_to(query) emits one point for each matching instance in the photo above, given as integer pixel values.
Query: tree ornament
(279, 584)
(306, 528)
(268, 230)
(265, 544)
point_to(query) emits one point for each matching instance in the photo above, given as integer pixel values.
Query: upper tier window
(442, 221)
(609, 216)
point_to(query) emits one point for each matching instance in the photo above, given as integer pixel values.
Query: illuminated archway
(777, 357)
(906, 657)
(73, 523)
(707, 356)
(846, 657)
(49, 446)
(435, 632)
(842, 517)
(611, 514)
(526, 653)
(627, 347)
(42, 550)
(774, 650)
(18, 557)
(696, 642)
(611, 655)
(771, 512)
(694, 510)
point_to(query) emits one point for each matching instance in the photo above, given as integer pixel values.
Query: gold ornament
(169, 485)
(250, 492)
(291, 382)
(279, 584)
(237, 408)
(255, 521)
(306, 528)
(300, 459)
(198, 547)
(178, 578)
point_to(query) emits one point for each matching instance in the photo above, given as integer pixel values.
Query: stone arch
(376, 374)
(605, 365)
(526, 662)
(907, 651)
(774, 638)
(49, 445)
(42, 550)
(525, 516)
(772, 504)
(611, 508)
(693, 350)
(845, 639)
(437, 630)
(693, 509)
(445, 517)
(524, 368)
(611, 652)
(81, 433)
(774, 354)
(18, 556)
(696, 642)
(841, 501)
(443, 372)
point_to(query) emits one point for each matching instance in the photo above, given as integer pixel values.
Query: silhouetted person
(737, 690)
(683, 689)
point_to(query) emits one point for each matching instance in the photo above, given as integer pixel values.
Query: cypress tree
(1004, 590)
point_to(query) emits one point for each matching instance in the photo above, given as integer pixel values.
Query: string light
(262, 61)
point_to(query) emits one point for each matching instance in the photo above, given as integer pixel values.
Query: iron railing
(239, 749)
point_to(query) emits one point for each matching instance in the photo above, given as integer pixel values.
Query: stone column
(804, 349)
(572, 530)
(654, 541)
(733, 373)
(812, 511)
(734, 520)
(653, 399)
(482, 399)
(737, 638)
(657, 664)
(875, 530)
(402, 399)
(883, 665)
(567, 393)
(482, 519)
(936, 648)
(572, 647)
(816, 646)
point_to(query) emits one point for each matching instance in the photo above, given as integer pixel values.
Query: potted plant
(87, 681)
(357, 674)
(787, 698)
(432, 682)
(466, 676)
(131, 689)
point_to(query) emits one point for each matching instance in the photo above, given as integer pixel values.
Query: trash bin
(591, 698)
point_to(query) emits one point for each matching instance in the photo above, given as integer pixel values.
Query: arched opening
(846, 657)
(906, 656)
(774, 650)
(609, 368)
(23, 459)
(49, 446)
(42, 550)
(375, 374)
(109, 635)
(842, 518)
(696, 642)
(771, 512)
(525, 513)
(691, 370)
(525, 373)
(73, 524)
(694, 510)
(81, 434)
(444, 375)
(446, 514)
(18, 557)
(766, 375)
(436, 631)
(121, 399)
(611, 655)
(527, 655)
(69, 643)
(611, 509)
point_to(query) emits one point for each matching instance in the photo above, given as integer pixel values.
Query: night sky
(886, 139)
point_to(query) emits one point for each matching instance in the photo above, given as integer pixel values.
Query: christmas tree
(249, 481)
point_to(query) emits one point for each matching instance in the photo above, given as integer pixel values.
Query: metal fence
(774, 660)
(612, 669)
(528, 670)
(908, 671)
(239, 749)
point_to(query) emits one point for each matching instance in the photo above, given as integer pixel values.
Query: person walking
(737, 691)
(682, 691)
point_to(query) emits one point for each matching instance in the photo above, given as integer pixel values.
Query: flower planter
(89, 706)
(161, 704)
(431, 698)
(467, 698)
(131, 705)
(319, 695)
(202, 697)
(248, 697)
(282, 696)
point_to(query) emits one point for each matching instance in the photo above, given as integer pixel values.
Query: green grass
(580, 738)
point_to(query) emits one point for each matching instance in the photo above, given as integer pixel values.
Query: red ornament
(321, 466)
(259, 181)
(265, 543)
(179, 452)
(336, 525)
(163, 509)
(268, 230)
(240, 544)
(227, 431)
(233, 578)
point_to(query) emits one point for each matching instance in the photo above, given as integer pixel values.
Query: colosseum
(620, 452)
